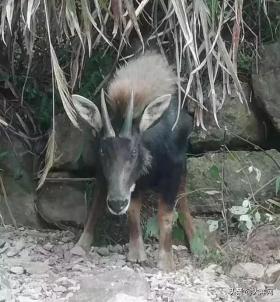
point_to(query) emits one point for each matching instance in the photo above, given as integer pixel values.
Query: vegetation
(50, 49)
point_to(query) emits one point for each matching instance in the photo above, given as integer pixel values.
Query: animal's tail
(149, 76)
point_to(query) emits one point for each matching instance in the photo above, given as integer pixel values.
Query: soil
(37, 265)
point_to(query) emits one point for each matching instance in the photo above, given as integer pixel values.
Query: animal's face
(120, 164)
(123, 158)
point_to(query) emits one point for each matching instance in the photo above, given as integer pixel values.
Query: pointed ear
(154, 111)
(88, 111)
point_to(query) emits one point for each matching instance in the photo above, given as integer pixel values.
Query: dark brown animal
(138, 150)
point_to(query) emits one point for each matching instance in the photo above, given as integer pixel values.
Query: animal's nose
(117, 206)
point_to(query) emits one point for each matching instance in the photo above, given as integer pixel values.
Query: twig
(224, 211)
(6, 202)
(58, 179)
(257, 147)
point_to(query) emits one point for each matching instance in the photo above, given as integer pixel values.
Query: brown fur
(149, 76)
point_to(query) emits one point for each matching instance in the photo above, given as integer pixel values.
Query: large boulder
(17, 191)
(266, 81)
(238, 173)
(62, 200)
(237, 124)
(73, 146)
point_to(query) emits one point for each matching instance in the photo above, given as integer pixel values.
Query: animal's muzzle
(118, 206)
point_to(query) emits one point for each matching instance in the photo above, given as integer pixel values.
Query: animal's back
(149, 76)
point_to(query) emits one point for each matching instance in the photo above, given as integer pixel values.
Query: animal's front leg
(187, 221)
(136, 245)
(96, 210)
(165, 218)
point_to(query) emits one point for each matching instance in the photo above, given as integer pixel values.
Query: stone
(67, 154)
(16, 163)
(265, 82)
(264, 244)
(36, 267)
(235, 120)
(103, 251)
(107, 285)
(116, 249)
(19, 245)
(248, 270)
(62, 202)
(18, 270)
(272, 273)
(243, 171)
(126, 298)
(190, 295)
(72, 156)
(48, 246)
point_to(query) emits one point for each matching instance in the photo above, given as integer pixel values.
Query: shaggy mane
(149, 76)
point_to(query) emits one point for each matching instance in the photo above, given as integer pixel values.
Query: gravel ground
(39, 266)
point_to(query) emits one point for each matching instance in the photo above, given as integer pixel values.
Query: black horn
(127, 125)
(109, 131)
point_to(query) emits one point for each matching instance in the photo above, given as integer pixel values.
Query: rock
(18, 270)
(60, 289)
(264, 244)
(48, 246)
(72, 156)
(213, 269)
(248, 270)
(5, 295)
(265, 83)
(67, 153)
(126, 298)
(16, 162)
(103, 251)
(272, 273)
(116, 249)
(235, 118)
(189, 295)
(242, 170)
(106, 286)
(19, 245)
(36, 268)
(62, 202)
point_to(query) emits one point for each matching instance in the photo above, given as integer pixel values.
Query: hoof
(136, 251)
(136, 255)
(78, 251)
(82, 247)
(165, 261)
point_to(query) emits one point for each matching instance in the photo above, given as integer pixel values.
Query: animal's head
(123, 157)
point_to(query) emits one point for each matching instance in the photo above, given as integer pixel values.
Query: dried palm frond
(192, 30)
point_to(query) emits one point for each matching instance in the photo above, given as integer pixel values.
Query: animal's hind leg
(165, 218)
(183, 208)
(136, 245)
(96, 210)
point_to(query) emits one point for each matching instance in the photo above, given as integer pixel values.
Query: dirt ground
(39, 266)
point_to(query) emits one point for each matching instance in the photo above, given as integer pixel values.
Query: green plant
(249, 216)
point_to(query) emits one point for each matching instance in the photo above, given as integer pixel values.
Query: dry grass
(194, 28)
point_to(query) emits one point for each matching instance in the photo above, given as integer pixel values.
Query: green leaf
(214, 172)
(248, 221)
(178, 233)
(277, 185)
(152, 228)
(238, 210)
(213, 225)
